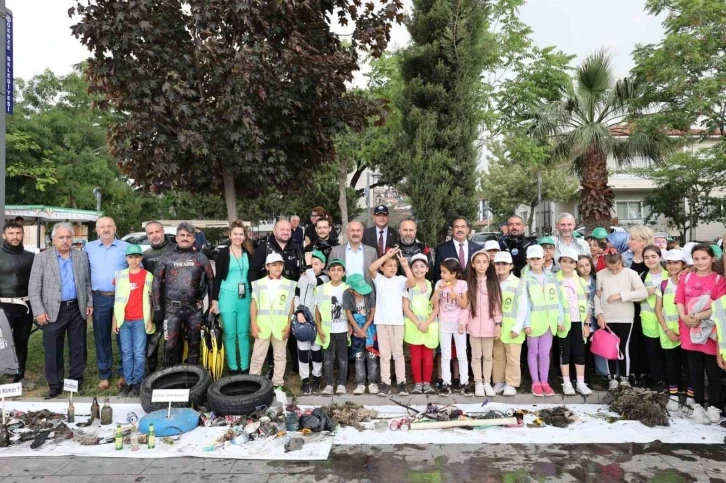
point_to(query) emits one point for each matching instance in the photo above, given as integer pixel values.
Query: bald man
(357, 257)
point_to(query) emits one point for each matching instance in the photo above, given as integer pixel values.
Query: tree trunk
(596, 197)
(230, 195)
(342, 200)
(530, 218)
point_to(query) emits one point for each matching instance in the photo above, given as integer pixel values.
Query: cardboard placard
(70, 385)
(11, 390)
(170, 395)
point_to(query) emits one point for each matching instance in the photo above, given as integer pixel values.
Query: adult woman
(640, 237)
(231, 297)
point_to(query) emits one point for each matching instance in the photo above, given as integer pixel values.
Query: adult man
(409, 245)
(60, 295)
(310, 234)
(380, 236)
(325, 244)
(200, 239)
(565, 227)
(160, 244)
(357, 257)
(458, 247)
(516, 243)
(15, 266)
(106, 255)
(298, 235)
(182, 279)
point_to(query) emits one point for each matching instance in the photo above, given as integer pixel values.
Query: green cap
(546, 240)
(577, 234)
(337, 261)
(319, 255)
(358, 283)
(600, 233)
(717, 251)
(134, 250)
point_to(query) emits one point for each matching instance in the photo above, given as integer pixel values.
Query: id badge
(241, 290)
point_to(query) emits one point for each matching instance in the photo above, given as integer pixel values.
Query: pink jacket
(482, 325)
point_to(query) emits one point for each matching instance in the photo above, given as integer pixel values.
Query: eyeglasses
(549, 248)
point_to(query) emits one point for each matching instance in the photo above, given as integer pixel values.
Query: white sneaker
(699, 415)
(509, 390)
(373, 388)
(479, 389)
(489, 390)
(690, 402)
(499, 387)
(674, 404)
(613, 384)
(582, 388)
(567, 388)
(340, 390)
(359, 389)
(714, 414)
(328, 391)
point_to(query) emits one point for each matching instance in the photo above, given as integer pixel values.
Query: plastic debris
(351, 414)
(559, 417)
(639, 404)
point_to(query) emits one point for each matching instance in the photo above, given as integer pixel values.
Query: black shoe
(315, 384)
(438, 385)
(124, 391)
(402, 390)
(659, 386)
(383, 389)
(647, 381)
(135, 390)
(455, 385)
(445, 390)
(467, 390)
(52, 394)
(306, 386)
(244, 371)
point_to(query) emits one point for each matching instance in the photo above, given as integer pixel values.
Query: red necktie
(380, 244)
(461, 255)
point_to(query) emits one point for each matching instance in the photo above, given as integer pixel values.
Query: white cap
(675, 255)
(273, 257)
(419, 256)
(688, 247)
(567, 252)
(491, 245)
(505, 257)
(535, 251)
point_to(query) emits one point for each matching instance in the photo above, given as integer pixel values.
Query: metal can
(394, 425)
(132, 418)
(405, 424)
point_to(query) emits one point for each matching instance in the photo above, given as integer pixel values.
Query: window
(631, 211)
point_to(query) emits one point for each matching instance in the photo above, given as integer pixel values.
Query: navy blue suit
(450, 249)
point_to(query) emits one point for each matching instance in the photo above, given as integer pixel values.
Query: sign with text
(9, 101)
(170, 395)
(70, 385)
(11, 390)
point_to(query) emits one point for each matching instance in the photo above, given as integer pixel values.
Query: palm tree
(588, 125)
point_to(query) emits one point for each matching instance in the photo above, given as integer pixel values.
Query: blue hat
(381, 209)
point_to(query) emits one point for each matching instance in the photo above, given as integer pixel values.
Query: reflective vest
(123, 292)
(326, 311)
(544, 304)
(670, 315)
(582, 302)
(510, 292)
(648, 320)
(719, 317)
(273, 316)
(421, 306)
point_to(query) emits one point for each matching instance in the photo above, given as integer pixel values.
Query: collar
(113, 243)
(11, 249)
(384, 230)
(349, 247)
(162, 244)
(58, 255)
(270, 277)
(457, 243)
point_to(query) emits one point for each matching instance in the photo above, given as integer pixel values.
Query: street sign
(9, 101)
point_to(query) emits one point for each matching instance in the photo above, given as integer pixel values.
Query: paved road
(401, 463)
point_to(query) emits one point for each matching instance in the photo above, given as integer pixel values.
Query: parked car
(484, 236)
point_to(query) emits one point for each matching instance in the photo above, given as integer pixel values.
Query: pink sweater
(482, 325)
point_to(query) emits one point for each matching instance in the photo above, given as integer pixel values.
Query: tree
(582, 127)
(223, 94)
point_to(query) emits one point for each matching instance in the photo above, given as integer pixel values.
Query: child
(332, 325)
(389, 316)
(667, 314)
(550, 264)
(508, 348)
(492, 248)
(575, 298)
(545, 315)
(309, 350)
(648, 320)
(421, 330)
(132, 318)
(270, 313)
(360, 299)
(451, 294)
(585, 269)
(483, 319)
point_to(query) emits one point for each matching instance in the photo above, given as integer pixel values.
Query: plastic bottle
(134, 438)
(151, 438)
(95, 409)
(119, 439)
(71, 413)
(106, 413)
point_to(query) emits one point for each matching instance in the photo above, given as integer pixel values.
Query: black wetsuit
(408, 251)
(149, 259)
(15, 265)
(517, 247)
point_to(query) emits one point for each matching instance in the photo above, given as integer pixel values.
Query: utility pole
(6, 92)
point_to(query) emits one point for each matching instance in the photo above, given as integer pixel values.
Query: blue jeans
(102, 314)
(133, 350)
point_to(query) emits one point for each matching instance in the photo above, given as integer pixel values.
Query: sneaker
(427, 389)
(489, 390)
(121, 382)
(659, 386)
(124, 391)
(548, 391)
(499, 387)
(417, 388)
(567, 388)
(467, 390)
(582, 388)
(341, 390)
(328, 391)
(699, 415)
(315, 384)
(455, 385)
(714, 414)
(479, 389)
(305, 389)
(445, 390)
(383, 389)
(673, 404)
(135, 390)
(690, 402)
(626, 382)
(373, 388)
(359, 389)
(613, 384)
(537, 389)
(402, 390)
(509, 390)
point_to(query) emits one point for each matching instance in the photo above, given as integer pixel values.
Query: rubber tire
(239, 395)
(184, 376)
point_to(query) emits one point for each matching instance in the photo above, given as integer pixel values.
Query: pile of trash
(351, 414)
(559, 417)
(35, 426)
(640, 404)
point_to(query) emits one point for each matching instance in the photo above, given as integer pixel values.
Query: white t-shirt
(389, 299)
(339, 324)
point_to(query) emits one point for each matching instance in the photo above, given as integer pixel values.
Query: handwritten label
(170, 395)
(70, 385)
(11, 390)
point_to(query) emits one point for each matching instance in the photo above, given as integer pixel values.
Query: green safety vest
(670, 315)
(582, 302)
(719, 317)
(510, 292)
(123, 292)
(273, 316)
(420, 303)
(545, 304)
(326, 312)
(648, 320)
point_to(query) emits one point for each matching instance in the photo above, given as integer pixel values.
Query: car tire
(184, 376)
(239, 395)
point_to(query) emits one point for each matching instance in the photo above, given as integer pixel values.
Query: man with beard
(324, 243)
(516, 243)
(410, 246)
(565, 238)
(357, 257)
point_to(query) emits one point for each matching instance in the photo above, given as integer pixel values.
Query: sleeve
(254, 296)
(89, 289)
(461, 286)
(638, 291)
(719, 289)
(464, 316)
(35, 286)
(221, 274)
(209, 273)
(318, 294)
(157, 288)
(681, 292)
(257, 263)
(349, 301)
(598, 306)
(372, 298)
(560, 307)
(402, 284)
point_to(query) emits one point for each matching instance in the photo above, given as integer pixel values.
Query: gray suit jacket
(370, 255)
(44, 288)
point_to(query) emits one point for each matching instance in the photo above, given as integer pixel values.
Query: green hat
(546, 240)
(577, 234)
(717, 251)
(319, 255)
(337, 261)
(358, 283)
(134, 250)
(600, 233)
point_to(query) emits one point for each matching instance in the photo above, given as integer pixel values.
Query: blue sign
(9, 63)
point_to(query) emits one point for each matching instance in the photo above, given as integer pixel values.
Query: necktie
(462, 259)
(380, 243)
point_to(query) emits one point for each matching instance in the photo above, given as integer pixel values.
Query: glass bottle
(151, 438)
(71, 412)
(134, 438)
(95, 409)
(106, 413)
(119, 438)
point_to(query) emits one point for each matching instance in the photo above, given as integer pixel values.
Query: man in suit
(381, 236)
(357, 257)
(60, 295)
(458, 247)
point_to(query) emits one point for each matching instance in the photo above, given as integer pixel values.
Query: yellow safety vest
(273, 316)
(326, 312)
(648, 320)
(670, 315)
(582, 302)
(545, 304)
(719, 317)
(510, 292)
(123, 292)
(421, 306)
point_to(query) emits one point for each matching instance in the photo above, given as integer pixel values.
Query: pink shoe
(548, 391)
(537, 389)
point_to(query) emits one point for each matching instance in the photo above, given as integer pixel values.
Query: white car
(140, 238)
